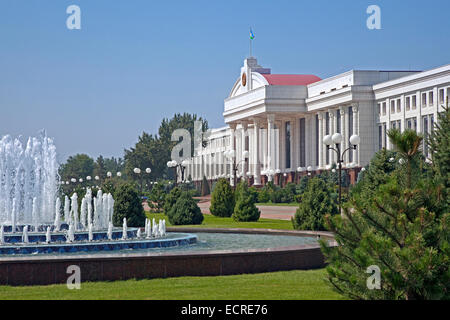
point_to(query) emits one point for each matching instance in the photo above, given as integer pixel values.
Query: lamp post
(174, 164)
(231, 154)
(336, 138)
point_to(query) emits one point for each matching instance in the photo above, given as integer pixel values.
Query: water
(28, 180)
(214, 242)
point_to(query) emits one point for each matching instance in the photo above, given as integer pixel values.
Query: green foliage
(245, 209)
(157, 197)
(318, 200)
(171, 199)
(439, 143)
(400, 224)
(205, 187)
(185, 211)
(128, 205)
(222, 199)
(254, 193)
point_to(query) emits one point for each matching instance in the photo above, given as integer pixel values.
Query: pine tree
(185, 211)
(245, 209)
(318, 200)
(205, 187)
(439, 143)
(222, 199)
(400, 227)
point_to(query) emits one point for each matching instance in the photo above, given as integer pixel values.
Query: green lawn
(211, 221)
(290, 285)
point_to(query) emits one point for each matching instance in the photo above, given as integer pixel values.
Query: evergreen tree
(157, 197)
(128, 205)
(318, 200)
(171, 199)
(439, 144)
(185, 211)
(205, 187)
(400, 227)
(222, 199)
(245, 209)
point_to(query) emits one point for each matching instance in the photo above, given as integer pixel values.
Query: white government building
(276, 122)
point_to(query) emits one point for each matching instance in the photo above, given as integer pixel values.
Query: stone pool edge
(51, 270)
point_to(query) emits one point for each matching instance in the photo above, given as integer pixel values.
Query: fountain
(30, 209)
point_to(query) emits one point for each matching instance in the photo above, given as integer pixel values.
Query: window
(334, 89)
(384, 108)
(414, 102)
(303, 141)
(424, 100)
(431, 98)
(393, 124)
(338, 121)
(345, 86)
(379, 109)
(399, 105)
(441, 96)
(287, 142)
(392, 106)
(408, 104)
(384, 135)
(425, 134)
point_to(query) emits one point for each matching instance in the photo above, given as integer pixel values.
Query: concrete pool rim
(43, 270)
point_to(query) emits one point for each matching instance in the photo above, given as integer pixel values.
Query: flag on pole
(252, 36)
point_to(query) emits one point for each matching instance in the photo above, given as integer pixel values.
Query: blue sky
(134, 62)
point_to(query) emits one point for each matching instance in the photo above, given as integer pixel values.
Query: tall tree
(401, 228)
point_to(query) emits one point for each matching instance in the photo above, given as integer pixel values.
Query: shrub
(171, 199)
(185, 211)
(245, 209)
(205, 187)
(128, 205)
(254, 193)
(264, 195)
(222, 199)
(157, 197)
(318, 200)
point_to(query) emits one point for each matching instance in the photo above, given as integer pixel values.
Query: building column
(232, 147)
(355, 131)
(270, 144)
(256, 147)
(333, 127)
(244, 128)
(344, 142)
(321, 130)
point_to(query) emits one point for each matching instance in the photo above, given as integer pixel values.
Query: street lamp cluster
(231, 154)
(174, 164)
(336, 138)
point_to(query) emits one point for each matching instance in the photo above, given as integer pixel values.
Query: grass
(211, 221)
(270, 204)
(286, 285)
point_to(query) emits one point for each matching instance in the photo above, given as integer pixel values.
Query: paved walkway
(267, 212)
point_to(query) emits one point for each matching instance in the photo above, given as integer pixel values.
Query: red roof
(291, 79)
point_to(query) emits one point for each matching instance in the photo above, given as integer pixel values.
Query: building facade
(276, 123)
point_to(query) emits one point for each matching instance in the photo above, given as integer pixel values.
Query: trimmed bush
(185, 211)
(317, 201)
(171, 199)
(222, 199)
(245, 209)
(128, 205)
